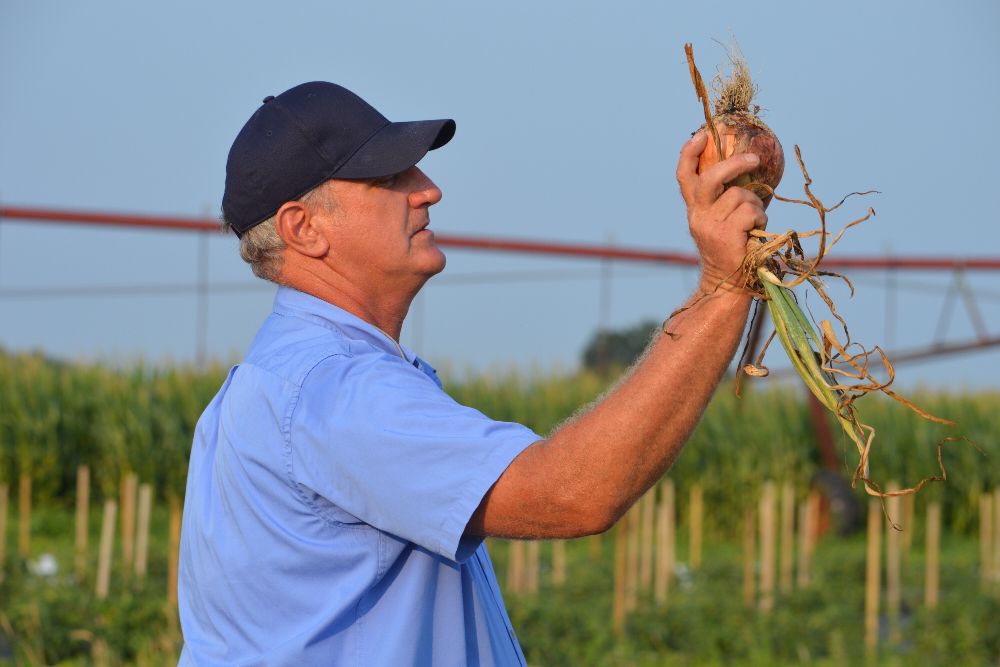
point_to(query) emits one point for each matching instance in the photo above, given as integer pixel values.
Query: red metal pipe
(916, 263)
(506, 245)
(569, 249)
(113, 219)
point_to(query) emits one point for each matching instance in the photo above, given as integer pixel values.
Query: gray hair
(261, 246)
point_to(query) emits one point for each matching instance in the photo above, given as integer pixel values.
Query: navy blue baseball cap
(312, 133)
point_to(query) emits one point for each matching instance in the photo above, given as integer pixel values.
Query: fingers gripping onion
(743, 132)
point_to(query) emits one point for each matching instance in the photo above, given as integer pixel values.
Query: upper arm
(379, 439)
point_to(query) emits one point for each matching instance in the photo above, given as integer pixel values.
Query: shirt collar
(290, 301)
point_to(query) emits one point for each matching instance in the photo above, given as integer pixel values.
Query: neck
(384, 306)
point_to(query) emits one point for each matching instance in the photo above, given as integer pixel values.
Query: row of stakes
(129, 515)
(779, 538)
(645, 546)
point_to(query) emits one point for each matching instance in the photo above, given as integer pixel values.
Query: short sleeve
(379, 439)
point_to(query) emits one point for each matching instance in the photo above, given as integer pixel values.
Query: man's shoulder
(291, 347)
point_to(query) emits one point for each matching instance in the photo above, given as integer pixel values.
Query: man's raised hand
(719, 218)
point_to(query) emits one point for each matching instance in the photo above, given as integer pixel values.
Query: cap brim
(397, 147)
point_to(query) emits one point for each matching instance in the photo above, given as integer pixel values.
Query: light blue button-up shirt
(330, 483)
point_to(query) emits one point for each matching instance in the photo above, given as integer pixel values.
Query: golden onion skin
(743, 132)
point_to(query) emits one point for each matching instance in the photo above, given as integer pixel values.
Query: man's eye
(386, 181)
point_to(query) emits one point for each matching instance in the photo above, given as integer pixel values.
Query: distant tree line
(615, 348)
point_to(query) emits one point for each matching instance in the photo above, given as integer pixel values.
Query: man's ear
(299, 228)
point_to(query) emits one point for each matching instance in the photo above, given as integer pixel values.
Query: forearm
(625, 443)
(592, 469)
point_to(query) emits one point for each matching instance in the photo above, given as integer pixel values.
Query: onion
(742, 131)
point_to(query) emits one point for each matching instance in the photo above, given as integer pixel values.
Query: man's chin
(441, 264)
(435, 264)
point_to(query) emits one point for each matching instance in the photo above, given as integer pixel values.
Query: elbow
(601, 523)
(591, 514)
(605, 519)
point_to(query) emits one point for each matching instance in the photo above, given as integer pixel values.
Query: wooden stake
(648, 514)
(696, 511)
(175, 510)
(932, 576)
(621, 563)
(665, 543)
(558, 562)
(632, 573)
(768, 535)
(4, 501)
(508, 580)
(99, 652)
(520, 552)
(595, 547)
(749, 557)
(873, 572)
(515, 566)
(985, 539)
(787, 537)
(128, 491)
(82, 522)
(533, 556)
(142, 538)
(105, 549)
(805, 529)
(24, 515)
(996, 535)
(893, 572)
(815, 520)
(908, 508)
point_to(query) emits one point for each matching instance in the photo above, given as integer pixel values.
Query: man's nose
(425, 192)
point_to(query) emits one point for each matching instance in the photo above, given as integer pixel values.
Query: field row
(658, 589)
(57, 416)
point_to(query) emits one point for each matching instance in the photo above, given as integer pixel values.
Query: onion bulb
(742, 131)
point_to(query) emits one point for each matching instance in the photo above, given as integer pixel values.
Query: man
(337, 498)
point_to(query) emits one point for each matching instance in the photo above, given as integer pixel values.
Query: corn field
(134, 425)
(55, 416)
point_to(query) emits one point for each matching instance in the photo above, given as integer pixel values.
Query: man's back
(329, 487)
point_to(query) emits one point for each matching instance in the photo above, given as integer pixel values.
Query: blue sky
(570, 115)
